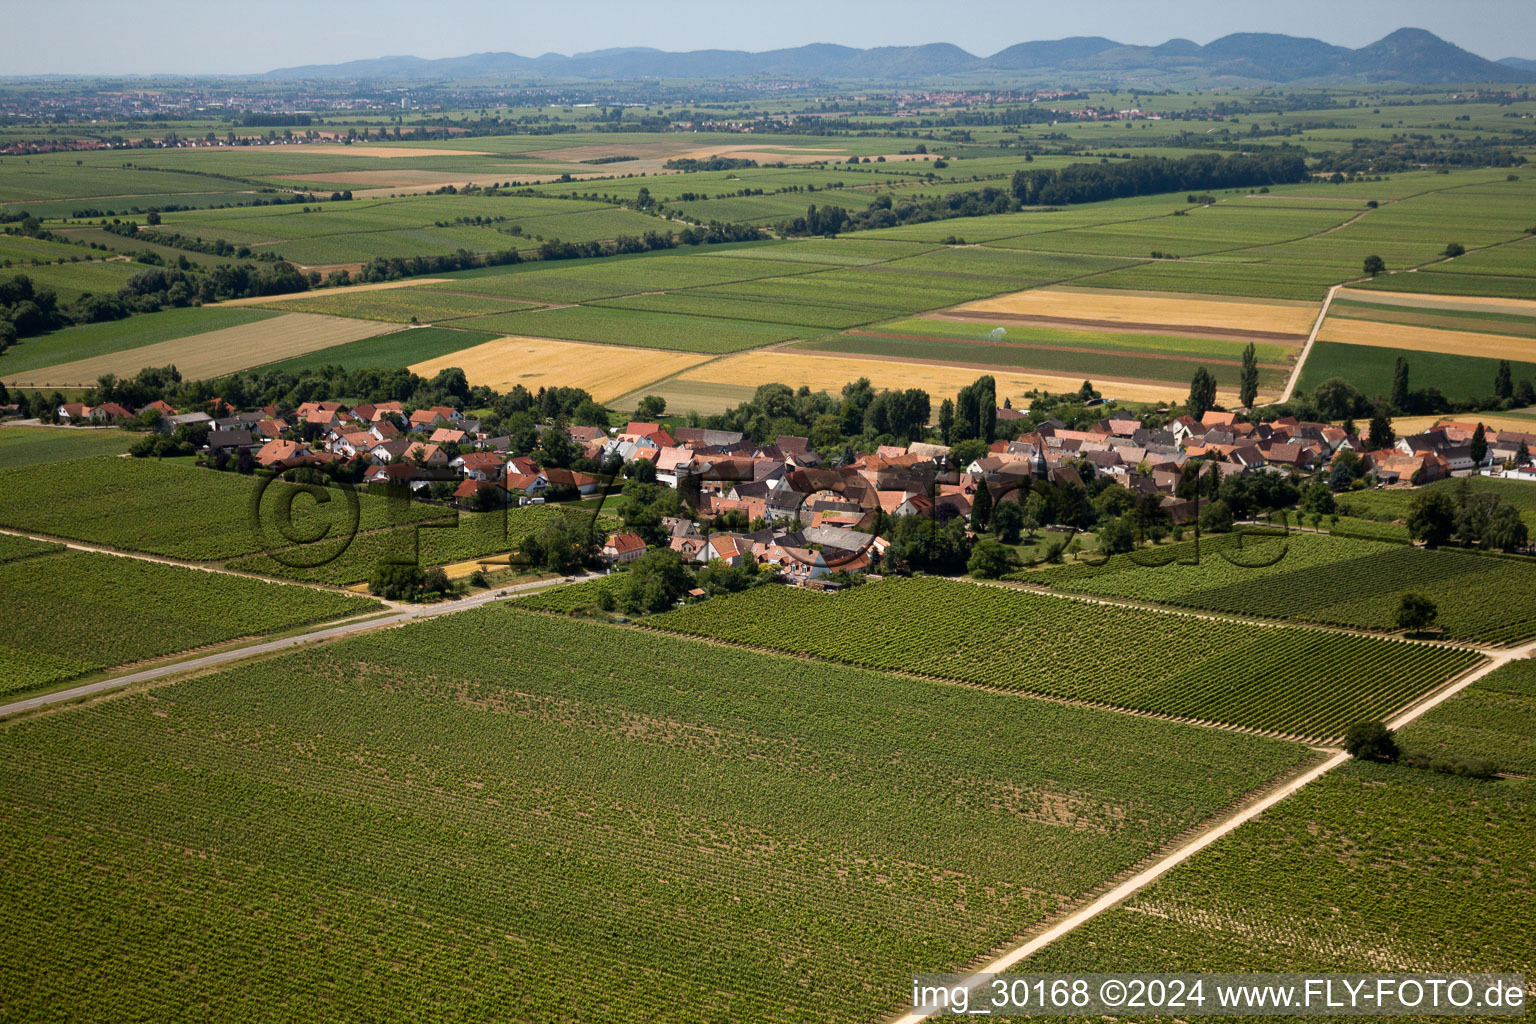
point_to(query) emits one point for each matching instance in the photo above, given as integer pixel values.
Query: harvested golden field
(1492, 420)
(831, 372)
(217, 352)
(1462, 303)
(1428, 339)
(1130, 307)
(267, 300)
(605, 371)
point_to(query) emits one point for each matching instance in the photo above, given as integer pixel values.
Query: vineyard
(1326, 579)
(1396, 504)
(1298, 681)
(452, 539)
(513, 816)
(576, 597)
(71, 614)
(181, 511)
(1370, 868)
(14, 549)
(1494, 719)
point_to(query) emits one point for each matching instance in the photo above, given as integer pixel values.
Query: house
(623, 548)
(469, 488)
(448, 435)
(110, 412)
(729, 548)
(429, 455)
(168, 424)
(74, 412)
(479, 465)
(227, 440)
(277, 451)
(161, 407)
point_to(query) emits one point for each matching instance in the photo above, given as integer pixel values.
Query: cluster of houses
(790, 506)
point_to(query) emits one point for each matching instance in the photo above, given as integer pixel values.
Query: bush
(1371, 741)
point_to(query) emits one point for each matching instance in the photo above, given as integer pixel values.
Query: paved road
(406, 613)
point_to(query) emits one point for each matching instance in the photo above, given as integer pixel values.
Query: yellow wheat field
(831, 372)
(215, 353)
(1421, 300)
(605, 371)
(1428, 339)
(1155, 308)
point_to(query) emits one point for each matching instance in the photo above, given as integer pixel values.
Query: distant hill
(1409, 55)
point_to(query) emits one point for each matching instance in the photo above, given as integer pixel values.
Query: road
(402, 615)
(1306, 350)
(1245, 813)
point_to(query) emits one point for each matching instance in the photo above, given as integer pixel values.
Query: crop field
(1336, 581)
(1301, 682)
(1371, 369)
(584, 280)
(30, 446)
(821, 316)
(1454, 318)
(448, 538)
(91, 341)
(79, 612)
(702, 397)
(1415, 338)
(179, 511)
(69, 281)
(1396, 503)
(574, 597)
(1220, 228)
(1370, 868)
(606, 373)
(632, 327)
(1493, 719)
(387, 351)
(13, 549)
(17, 252)
(1209, 311)
(518, 856)
(799, 367)
(213, 353)
(398, 305)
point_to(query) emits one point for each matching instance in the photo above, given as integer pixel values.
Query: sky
(213, 37)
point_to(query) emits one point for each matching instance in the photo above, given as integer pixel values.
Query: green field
(630, 327)
(1396, 504)
(91, 340)
(1319, 578)
(1299, 681)
(164, 508)
(386, 352)
(1493, 719)
(79, 612)
(1370, 868)
(499, 843)
(1370, 368)
(30, 446)
(398, 305)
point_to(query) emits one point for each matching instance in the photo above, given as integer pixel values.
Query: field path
(1306, 350)
(1205, 838)
(399, 617)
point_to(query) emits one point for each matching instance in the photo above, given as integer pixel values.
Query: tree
(1371, 741)
(651, 407)
(655, 582)
(396, 582)
(1116, 536)
(1036, 512)
(981, 506)
(964, 453)
(1008, 521)
(1454, 249)
(1416, 612)
(1216, 517)
(1374, 265)
(946, 419)
(1479, 445)
(1380, 430)
(1431, 518)
(1503, 381)
(988, 560)
(1317, 499)
(1400, 385)
(1248, 389)
(1202, 393)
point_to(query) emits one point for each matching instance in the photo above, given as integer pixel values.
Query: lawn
(473, 802)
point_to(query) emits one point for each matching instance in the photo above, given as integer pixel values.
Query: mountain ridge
(1408, 55)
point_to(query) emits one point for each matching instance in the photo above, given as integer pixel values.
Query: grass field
(606, 372)
(401, 305)
(1298, 681)
(503, 846)
(80, 612)
(30, 446)
(1325, 579)
(91, 341)
(210, 354)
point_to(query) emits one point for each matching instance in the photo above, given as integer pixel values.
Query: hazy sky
(217, 36)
